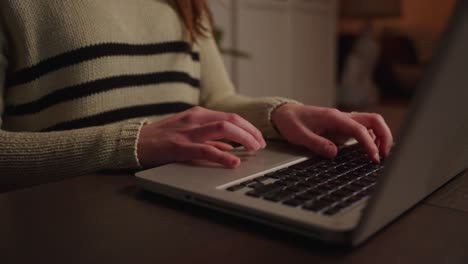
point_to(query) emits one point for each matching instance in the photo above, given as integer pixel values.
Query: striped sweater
(77, 77)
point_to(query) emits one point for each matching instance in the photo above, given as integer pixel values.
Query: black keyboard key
(305, 197)
(287, 171)
(368, 179)
(247, 182)
(361, 184)
(261, 179)
(363, 194)
(235, 188)
(325, 187)
(335, 209)
(343, 193)
(351, 188)
(256, 185)
(327, 176)
(351, 200)
(344, 169)
(334, 172)
(313, 171)
(356, 174)
(253, 193)
(302, 174)
(288, 181)
(293, 202)
(279, 196)
(303, 186)
(262, 190)
(315, 192)
(311, 182)
(347, 178)
(337, 182)
(332, 210)
(317, 205)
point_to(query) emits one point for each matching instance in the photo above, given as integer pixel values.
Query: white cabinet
(292, 44)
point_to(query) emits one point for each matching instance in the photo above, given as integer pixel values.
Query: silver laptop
(348, 199)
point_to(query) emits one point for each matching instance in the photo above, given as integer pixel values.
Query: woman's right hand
(191, 135)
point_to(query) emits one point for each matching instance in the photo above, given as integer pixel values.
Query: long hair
(193, 13)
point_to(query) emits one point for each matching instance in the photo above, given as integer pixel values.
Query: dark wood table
(107, 219)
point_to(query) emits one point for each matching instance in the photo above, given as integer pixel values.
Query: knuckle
(189, 118)
(192, 114)
(234, 118)
(376, 117)
(379, 118)
(332, 112)
(221, 126)
(360, 129)
(206, 151)
(196, 109)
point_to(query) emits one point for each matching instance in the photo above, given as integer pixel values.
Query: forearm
(31, 158)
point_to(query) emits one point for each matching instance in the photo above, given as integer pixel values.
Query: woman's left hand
(323, 129)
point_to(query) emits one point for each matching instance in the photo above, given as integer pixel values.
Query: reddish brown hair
(192, 13)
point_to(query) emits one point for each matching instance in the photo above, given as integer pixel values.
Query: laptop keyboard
(322, 186)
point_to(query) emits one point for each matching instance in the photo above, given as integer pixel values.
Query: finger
(376, 140)
(317, 144)
(220, 145)
(224, 130)
(339, 140)
(379, 127)
(360, 133)
(372, 134)
(203, 116)
(197, 151)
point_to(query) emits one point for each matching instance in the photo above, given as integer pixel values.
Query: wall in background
(422, 20)
(291, 43)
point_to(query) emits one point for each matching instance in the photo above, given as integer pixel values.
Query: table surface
(106, 219)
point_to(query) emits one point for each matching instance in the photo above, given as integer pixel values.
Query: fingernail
(234, 163)
(257, 146)
(330, 148)
(377, 157)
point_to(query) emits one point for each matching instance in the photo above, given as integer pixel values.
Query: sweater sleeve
(30, 158)
(218, 92)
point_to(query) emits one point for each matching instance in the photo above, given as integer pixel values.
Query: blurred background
(350, 53)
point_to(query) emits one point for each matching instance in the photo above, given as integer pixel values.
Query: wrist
(278, 113)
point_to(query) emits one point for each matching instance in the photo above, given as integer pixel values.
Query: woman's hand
(190, 135)
(322, 129)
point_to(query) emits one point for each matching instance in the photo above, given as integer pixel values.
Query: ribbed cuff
(266, 124)
(127, 147)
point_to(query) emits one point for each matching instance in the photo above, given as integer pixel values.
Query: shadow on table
(239, 223)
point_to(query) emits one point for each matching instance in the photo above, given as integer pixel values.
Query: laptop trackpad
(454, 195)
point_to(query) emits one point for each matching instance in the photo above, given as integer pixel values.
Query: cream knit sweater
(77, 77)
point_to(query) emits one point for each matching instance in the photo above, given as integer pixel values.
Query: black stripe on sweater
(93, 52)
(121, 115)
(99, 86)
